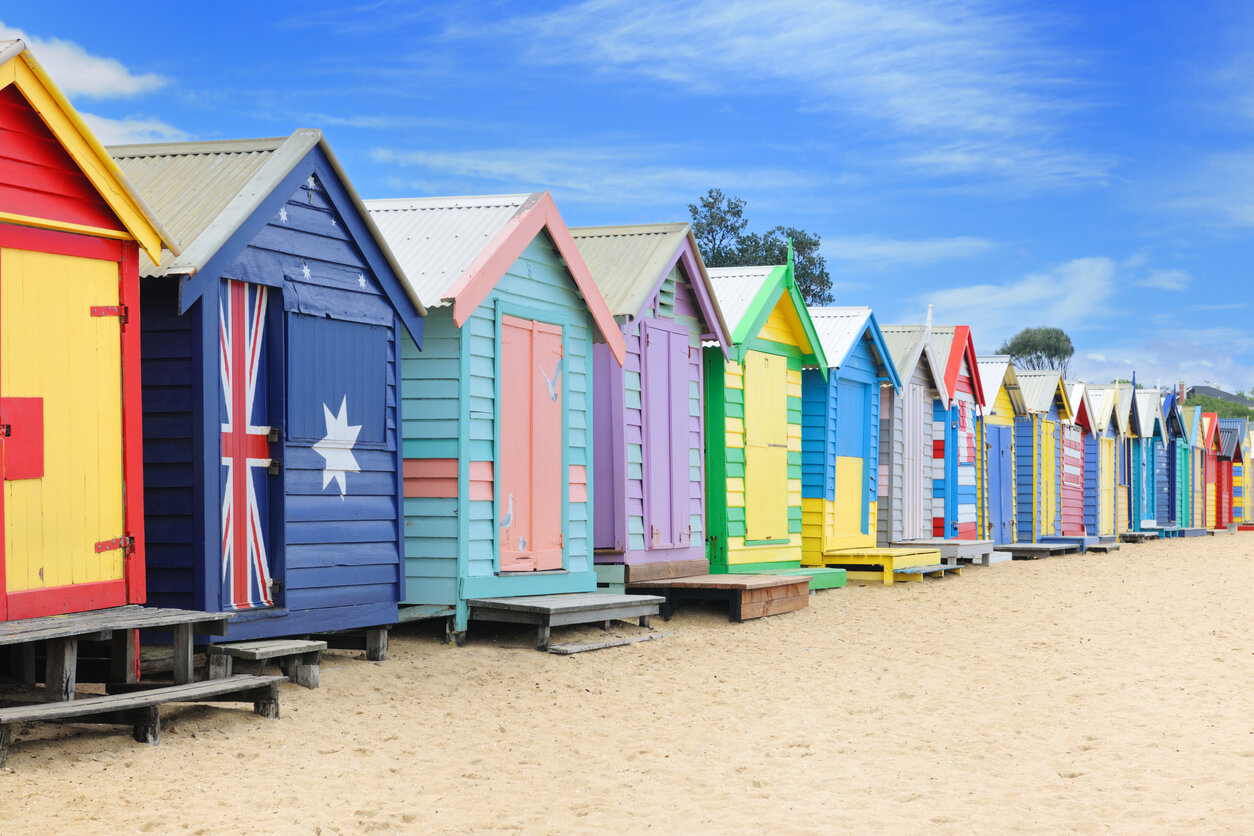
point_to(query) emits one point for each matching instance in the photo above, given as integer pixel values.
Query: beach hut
(754, 421)
(840, 452)
(498, 406)
(270, 388)
(648, 439)
(906, 436)
(1232, 433)
(1125, 423)
(956, 494)
(1211, 448)
(1099, 462)
(1038, 439)
(1003, 405)
(71, 452)
(1147, 453)
(1174, 513)
(1073, 478)
(1196, 518)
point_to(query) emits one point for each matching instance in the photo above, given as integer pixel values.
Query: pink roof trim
(537, 213)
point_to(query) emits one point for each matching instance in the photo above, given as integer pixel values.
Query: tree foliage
(1040, 348)
(1222, 408)
(719, 224)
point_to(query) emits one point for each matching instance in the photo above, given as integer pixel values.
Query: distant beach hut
(1125, 423)
(753, 402)
(498, 406)
(72, 534)
(1147, 452)
(956, 439)
(1212, 446)
(906, 434)
(1074, 491)
(1099, 462)
(1003, 405)
(649, 515)
(1232, 433)
(1177, 510)
(271, 388)
(1038, 443)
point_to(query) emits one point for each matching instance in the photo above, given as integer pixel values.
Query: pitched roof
(736, 289)
(1102, 400)
(1040, 388)
(946, 338)
(1232, 435)
(629, 264)
(748, 295)
(455, 249)
(20, 68)
(1124, 414)
(1077, 392)
(994, 369)
(1149, 410)
(910, 345)
(840, 330)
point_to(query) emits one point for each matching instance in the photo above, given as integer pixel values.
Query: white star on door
(336, 448)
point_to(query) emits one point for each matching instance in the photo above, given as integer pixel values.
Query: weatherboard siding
(905, 492)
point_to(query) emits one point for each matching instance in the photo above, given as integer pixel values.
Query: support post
(62, 675)
(183, 671)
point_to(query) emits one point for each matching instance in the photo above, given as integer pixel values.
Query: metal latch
(6, 430)
(110, 310)
(126, 543)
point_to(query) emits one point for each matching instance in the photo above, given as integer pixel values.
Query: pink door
(529, 500)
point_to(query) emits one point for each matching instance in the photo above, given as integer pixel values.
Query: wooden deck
(877, 563)
(1139, 536)
(1032, 551)
(1104, 548)
(918, 573)
(747, 596)
(1083, 543)
(548, 611)
(954, 551)
(821, 577)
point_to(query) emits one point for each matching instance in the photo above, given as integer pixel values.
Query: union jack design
(245, 447)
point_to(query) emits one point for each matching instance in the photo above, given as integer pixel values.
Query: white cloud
(974, 91)
(78, 73)
(1173, 279)
(1209, 356)
(873, 251)
(599, 174)
(132, 130)
(1072, 296)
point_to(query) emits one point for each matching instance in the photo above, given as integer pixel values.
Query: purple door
(665, 401)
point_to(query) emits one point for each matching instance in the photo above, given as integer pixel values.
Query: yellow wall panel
(52, 348)
(735, 425)
(733, 376)
(1049, 478)
(1106, 487)
(784, 326)
(736, 440)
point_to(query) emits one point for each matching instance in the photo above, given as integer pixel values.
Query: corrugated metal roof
(838, 330)
(1123, 406)
(908, 345)
(1039, 388)
(1232, 432)
(192, 185)
(735, 289)
(436, 238)
(626, 261)
(943, 341)
(1102, 400)
(1149, 408)
(1077, 392)
(992, 373)
(11, 48)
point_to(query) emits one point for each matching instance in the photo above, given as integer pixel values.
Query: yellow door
(1049, 475)
(766, 447)
(1106, 487)
(53, 351)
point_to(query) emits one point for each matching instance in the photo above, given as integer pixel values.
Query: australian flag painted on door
(242, 365)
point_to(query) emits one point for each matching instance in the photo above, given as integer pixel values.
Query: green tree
(1222, 408)
(719, 225)
(1040, 348)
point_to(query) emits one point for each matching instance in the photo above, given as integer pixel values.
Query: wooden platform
(1083, 543)
(614, 577)
(421, 612)
(879, 563)
(1167, 532)
(918, 573)
(747, 596)
(1138, 536)
(1032, 551)
(548, 611)
(1104, 548)
(1192, 532)
(954, 551)
(821, 577)
(138, 706)
(297, 658)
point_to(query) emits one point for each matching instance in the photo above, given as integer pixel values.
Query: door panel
(666, 436)
(531, 455)
(65, 365)
(913, 404)
(766, 447)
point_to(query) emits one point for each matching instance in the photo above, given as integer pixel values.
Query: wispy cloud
(1213, 356)
(79, 73)
(873, 251)
(986, 86)
(1219, 190)
(597, 174)
(1072, 296)
(133, 130)
(1173, 279)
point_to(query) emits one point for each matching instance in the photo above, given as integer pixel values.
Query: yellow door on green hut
(766, 447)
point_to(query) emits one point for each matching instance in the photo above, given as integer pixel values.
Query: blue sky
(1084, 165)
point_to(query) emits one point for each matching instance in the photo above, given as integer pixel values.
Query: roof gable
(630, 263)
(748, 295)
(841, 330)
(1080, 402)
(1102, 402)
(956, 348)
(910, 345)
(997, 372)
(1149, 412)
(455, 250)
(20, 73)
(1041, 389)
(223, 194)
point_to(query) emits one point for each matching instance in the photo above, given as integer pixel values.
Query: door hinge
(125, 542)
(120, 311)
(6, 430)
(655, 532)
(561, 540)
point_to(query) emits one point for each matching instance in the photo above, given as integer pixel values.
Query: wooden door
(1049, 478)
(766, 447)
(532, 429)
(63, 499)
(915, 405)
(665, 406)
(1106, 487)
(1072, 491)
(1000, 483)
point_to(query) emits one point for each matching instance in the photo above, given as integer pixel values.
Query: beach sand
(1079, 693)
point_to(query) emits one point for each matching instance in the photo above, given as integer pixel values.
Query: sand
(1081, 693)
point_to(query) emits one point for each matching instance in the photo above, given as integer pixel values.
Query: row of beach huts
(232, 390)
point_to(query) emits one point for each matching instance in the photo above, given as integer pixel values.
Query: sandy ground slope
(1081, 693)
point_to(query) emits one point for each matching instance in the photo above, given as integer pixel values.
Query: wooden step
(655, 570)
(137, 705)
(548, 611)
(297, 658)
(747, 596)
(917, 572)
